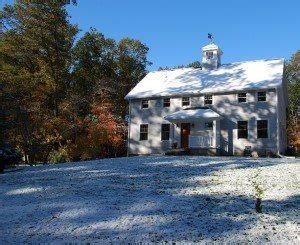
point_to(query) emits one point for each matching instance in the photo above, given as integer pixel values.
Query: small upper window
(144, 132)
(242, 129)
(262, 129)
(242, 97)
(208, 124)
(165, 131)
(185, 101)
(208, 100)
(261, 96)
(166, 102)
(209, 55)
(145, 104)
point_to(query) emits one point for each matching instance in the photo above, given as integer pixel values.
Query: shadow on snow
(129, 198)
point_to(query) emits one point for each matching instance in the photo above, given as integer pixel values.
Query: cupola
(211, 55)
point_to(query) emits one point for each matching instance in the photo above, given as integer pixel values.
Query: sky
(175, 30)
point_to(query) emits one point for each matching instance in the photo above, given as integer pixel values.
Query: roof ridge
(173, 69)
(232, 63)
(246, 61)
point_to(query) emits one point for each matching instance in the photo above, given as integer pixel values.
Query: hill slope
(150, 199)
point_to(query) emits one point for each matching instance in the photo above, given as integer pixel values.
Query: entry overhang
(192, 115)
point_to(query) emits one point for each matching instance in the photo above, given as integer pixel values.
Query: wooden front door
(185, 132)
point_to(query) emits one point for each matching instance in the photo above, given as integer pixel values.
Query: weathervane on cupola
(210, 37)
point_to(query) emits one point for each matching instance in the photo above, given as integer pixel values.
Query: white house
(222, 108)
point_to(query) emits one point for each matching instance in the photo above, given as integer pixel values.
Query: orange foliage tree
(100, 135)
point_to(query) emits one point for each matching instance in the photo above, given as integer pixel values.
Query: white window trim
(237, 130)
(162, 102)
(169, 132)
(182, 101)
(141, 104)
(237, 98)
(256, 97)
(258, 119)
(206, 128)
(212, 99)
(147, 132)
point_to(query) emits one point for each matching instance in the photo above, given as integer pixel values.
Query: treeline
(292, 75)
(61, 99)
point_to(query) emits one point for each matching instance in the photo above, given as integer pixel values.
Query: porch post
(173, 135)
(216, 135)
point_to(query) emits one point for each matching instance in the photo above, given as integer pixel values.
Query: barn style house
(223, 109)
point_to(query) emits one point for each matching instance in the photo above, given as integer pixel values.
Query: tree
(195, 64)
(101, 134)
(36, 59)
(2, 117)
(131, 68)
(49, 87)
(94, 69)
(103, 65)
(292, 75)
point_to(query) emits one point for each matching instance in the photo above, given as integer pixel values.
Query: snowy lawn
(150, 199)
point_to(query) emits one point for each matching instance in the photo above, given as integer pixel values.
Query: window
(208, 125)
(145, 104)
(242, 129)
(261, 96)
(185, 101)
(208, 100)
(242, 97)
(166, 102)
(165, 131)
(262, 129)
(144, 132)
(209, 55)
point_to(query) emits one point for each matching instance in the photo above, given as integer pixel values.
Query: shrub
(258, 195)
(60, 155)
(9, 156)
(258, 191)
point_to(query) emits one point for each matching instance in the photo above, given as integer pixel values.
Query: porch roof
(189, 115)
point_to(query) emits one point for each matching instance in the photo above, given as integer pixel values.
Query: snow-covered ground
(150, 199)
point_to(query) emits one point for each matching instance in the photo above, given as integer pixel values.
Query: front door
(185, 132)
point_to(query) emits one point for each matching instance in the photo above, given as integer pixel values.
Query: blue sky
(176, 30)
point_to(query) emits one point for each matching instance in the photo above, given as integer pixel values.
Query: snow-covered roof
(249, 75)
(210, 46)
(192, 114)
